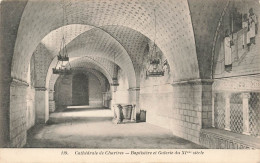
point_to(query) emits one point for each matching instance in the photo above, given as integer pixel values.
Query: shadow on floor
(78, 109)
(78, 120)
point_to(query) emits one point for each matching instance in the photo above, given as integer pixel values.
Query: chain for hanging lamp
(63, 58)
(155, 68)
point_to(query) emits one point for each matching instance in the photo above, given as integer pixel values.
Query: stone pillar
(41, 105)
(52, 105)
(192, 106)
(213, 108)
(137, 106)
(134, 94)
(227, 111)
(17, 115)
(206, 103)
(106, 99)
(113, 96)
(245, 97)
(4, 108)
(133, 114)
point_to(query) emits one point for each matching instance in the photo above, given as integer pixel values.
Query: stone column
(52, 105)
(17, 114)
(113, 97)
(245, 97)
(134, 94)
(41, 105)
(104, 99)
(206, 102)
(227, 111)
(198, 113)
(133, 114)
(213, 108)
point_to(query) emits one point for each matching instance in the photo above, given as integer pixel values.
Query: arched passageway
(83, 87)
(113, 40)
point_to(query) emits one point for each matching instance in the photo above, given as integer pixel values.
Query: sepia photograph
(132, 78)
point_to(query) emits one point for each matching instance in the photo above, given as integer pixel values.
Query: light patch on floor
(93, 128)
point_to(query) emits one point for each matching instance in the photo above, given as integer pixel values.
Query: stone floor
(85, 127)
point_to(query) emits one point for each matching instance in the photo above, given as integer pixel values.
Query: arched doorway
(80, 90)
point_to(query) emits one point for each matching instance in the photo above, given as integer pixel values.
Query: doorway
(80, 90)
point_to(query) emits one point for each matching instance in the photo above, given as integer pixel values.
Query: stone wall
(122, 94)
(8, 32)
(18, 111)
(30, 96)
(42, 59)
(157, 101)
(63, 91)
(95, 92)
(41, 105)
(179, 107)
(107, 99)
(30, 113)
(52, 104)
(38, 68)
(184, 107)
(192, 108)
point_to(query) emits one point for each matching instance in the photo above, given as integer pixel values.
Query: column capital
(40, 89)
(17, 82)
(226, 94)
(134, 89)
(245, 95)
(114, 88)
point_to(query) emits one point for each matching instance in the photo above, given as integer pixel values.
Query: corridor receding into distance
(130, 74)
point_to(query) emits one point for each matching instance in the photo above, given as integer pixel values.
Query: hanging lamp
(63, 58)
(155, 68)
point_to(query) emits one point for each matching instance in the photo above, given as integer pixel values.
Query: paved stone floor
(93, 128)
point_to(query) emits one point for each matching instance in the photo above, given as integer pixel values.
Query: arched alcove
(80, 89)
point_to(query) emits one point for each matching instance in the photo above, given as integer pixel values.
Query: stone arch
(77, 48)
(95, 70)
(106, 71)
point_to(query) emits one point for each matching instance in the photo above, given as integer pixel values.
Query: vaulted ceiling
(101, 28)
(93, 24)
